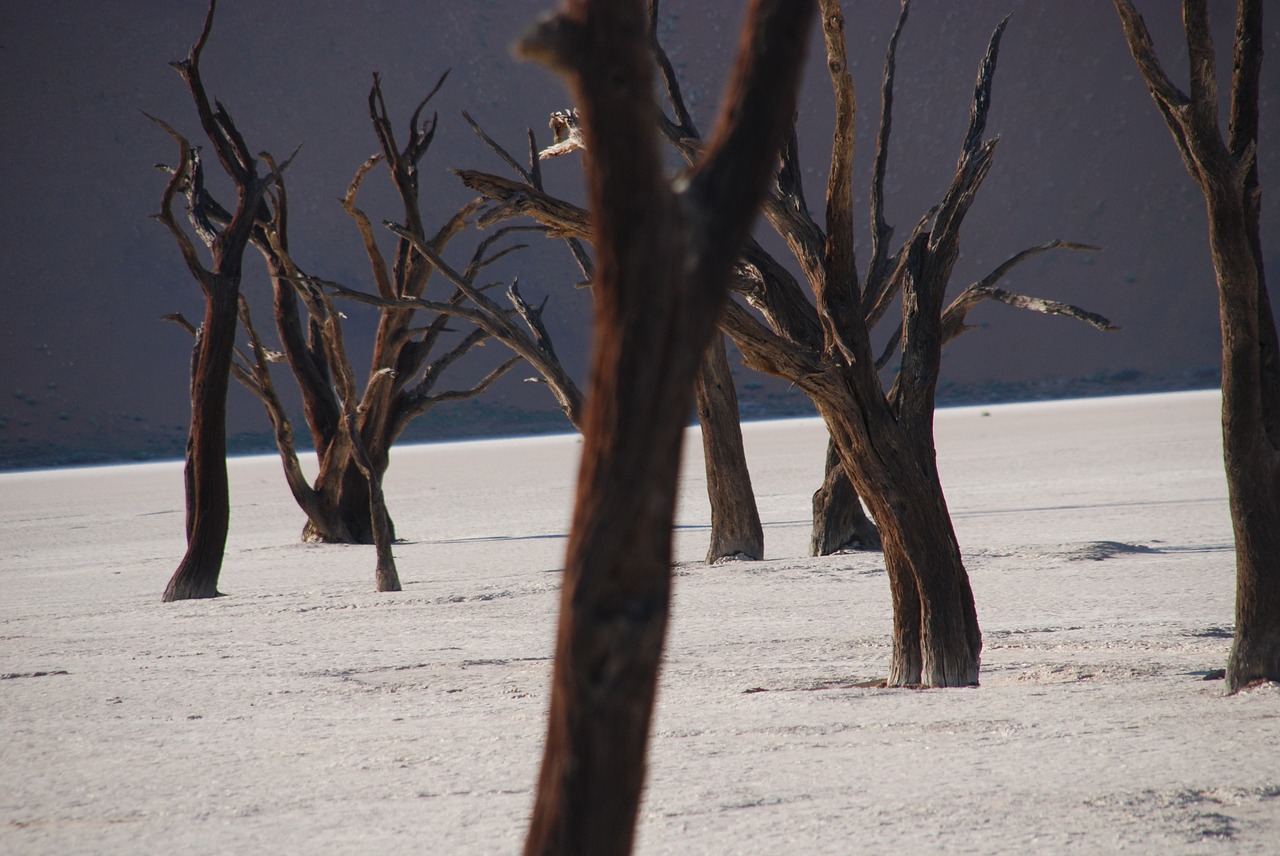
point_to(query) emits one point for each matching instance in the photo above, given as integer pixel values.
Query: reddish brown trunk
(664, 262)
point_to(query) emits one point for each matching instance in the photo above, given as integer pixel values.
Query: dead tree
(260, 216)
(736, 531)
(353, 430)
(882, 439)
(1226, 171)
(411, 351)
(205, 475)
(664, 258)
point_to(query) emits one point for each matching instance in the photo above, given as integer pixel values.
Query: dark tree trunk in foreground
(839, 522)
(208, 501)
(1227, 173)
(736, 532)
(664, 260)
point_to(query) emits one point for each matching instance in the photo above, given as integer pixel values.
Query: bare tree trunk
(1250, 434)
(936, 637)
(208, 501)
(1227, 174)
(663, 265)
(736, 532)
(839, 522)
(205, 473)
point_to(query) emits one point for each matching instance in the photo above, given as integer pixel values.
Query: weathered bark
(839, 521)
(663, 263)
(1227, 173)
(205, 474)
(937, 642)
(736, 532)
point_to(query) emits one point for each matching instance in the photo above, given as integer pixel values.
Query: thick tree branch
(232, 151)
(837, 291)
(1204, 76)
(732, 174)
(1174, 105)
(1245, 79)
(378, 264)
(839, 256)
(516, 199)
